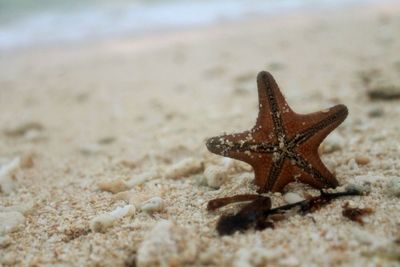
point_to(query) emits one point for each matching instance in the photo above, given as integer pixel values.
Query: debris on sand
(103, 221)
(259, 215)
(355, 214)
(120, 185)
(215, 176)
(166, 245)
(384, 93)
(291, 197)
(114, 186)
(381, 85)
(184, 168)
(154, 204)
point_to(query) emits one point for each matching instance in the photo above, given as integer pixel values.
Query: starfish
(283, 146)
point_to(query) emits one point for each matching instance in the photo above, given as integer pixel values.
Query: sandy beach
(103, 156)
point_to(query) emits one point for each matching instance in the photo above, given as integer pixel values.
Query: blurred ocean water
(36, 22)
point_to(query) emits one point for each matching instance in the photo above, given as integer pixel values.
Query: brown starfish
(283, 146)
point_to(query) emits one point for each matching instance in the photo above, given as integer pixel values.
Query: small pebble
(10, 221)
(394, 186)
(167, 245)
(106, 140)
(184, 168)
(362, 160)
(291, 198)
(215, 176)
(103, 221)
(121, 185)
(154, 204)
(115, 186)
(385, 92)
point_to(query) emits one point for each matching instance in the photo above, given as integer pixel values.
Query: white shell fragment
(7, 172)
(184, 168)
(291, 198)
(121, 185)
(215, 176)
(10, 221)
(394, 186)
(166, 245)
(114, 186)
(106, 220)
(154, 204)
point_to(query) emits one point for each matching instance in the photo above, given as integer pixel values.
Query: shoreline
(196, 27)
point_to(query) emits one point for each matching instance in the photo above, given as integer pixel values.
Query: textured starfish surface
(283, 146)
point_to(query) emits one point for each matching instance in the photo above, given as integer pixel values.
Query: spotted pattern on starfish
(283, 146)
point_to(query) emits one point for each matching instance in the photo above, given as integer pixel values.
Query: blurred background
(33, 22)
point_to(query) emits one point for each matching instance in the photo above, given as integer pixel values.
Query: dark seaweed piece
(248, 216)
(220, 202)
(259, 215)
(384, 93)
(355, 214)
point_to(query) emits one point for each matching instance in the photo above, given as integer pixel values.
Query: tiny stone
(291, 198)
(106, 140)
(394, 187)
(115, 186)
(184, 168)
(167, 245)
(362, 160)
(384, 92)
(215, 176)
(154, 204)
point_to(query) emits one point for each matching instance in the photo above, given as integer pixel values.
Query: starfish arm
(242, 146)
(272, 105)
(312, 171)
(316, 126)
(280, 175)
(263, 166)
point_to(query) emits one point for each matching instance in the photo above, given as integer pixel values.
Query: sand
(136, 112)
